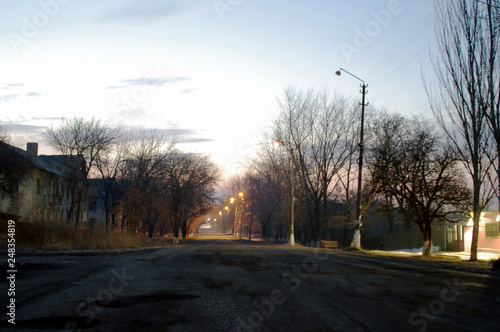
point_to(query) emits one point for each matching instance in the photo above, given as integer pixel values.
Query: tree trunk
(325, 215)
(78, 210)
(107, 212)
(498, 178)
(151, 229)
(345, 228)
(477, 214)
(317, 220)
(390, 213)
(251, 221)
(184, 229)
(72, 205)
(427, 232)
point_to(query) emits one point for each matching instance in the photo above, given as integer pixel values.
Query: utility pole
(292, 203)
(356, 242)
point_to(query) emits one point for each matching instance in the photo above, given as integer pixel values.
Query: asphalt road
(216, 285)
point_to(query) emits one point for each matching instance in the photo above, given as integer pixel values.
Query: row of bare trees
(411, 171)
(146, 184)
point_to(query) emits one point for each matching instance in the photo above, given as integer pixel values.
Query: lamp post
(241, 212)
(292, 215)
(227, 219)
(220, 226)
(234, 219)
(356, 242)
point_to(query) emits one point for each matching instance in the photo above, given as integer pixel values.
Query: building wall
(484, 241)
(42, 196)
(97, 212)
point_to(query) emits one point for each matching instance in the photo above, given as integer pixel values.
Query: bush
(31, 236)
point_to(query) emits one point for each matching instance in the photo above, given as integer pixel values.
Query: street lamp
(234, 219)
(227, 219)
(220, 226)
(241, 212)
(356, 243)
(292, 216)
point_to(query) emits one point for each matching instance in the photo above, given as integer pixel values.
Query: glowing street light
(240, 194)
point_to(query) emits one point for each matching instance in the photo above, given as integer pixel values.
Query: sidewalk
(464, 255)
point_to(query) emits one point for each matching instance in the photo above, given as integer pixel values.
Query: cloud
(16, 91)
(11, 85)
(184, 135)
(9, 97)
(14, 96)
(149, 81)
(141, 12)
(33, 94)
(180, 135)
(187, 91)
(137, 113)
(194, 140)
(18, 128)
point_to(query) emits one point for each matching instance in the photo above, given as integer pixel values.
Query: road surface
(217, 285)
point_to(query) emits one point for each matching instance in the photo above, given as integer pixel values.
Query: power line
(404, 45)
(395, 70)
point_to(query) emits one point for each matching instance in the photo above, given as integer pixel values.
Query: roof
(12, 157)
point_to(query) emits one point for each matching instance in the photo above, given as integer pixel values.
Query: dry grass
(34, 236)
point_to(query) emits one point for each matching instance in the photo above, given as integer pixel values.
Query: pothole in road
(149, 298)
(212, 284)
(247, 264)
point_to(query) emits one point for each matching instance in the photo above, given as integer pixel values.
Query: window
(493, 229)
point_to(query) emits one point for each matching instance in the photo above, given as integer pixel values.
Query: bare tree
(312, 125)
(189, 187)
(265, 197)
(108, 164)
(4, 134)
(491, 15)
(81, 142)
(422, 174)
(140, 174)
(460, 104)
(386, 135)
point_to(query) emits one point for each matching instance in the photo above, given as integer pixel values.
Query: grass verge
(57, 237)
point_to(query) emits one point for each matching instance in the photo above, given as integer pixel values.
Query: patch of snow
(418, 250)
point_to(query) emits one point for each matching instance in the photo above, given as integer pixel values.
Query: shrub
(31, 236)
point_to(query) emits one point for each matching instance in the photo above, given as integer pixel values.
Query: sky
(208, 72)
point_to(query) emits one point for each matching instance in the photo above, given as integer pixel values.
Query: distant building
(448, 236)
(489, 232)
(39, 188)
